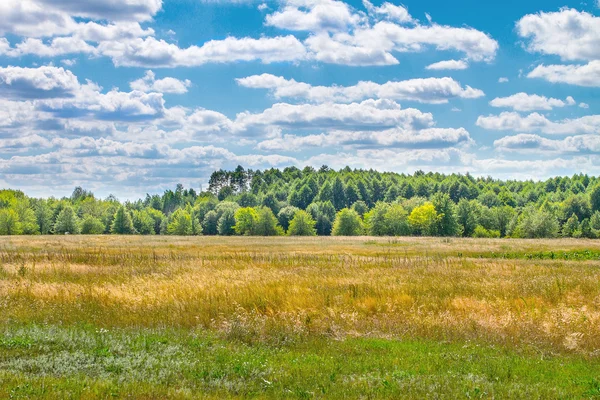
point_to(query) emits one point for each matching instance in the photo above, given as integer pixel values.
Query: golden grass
(288, 288)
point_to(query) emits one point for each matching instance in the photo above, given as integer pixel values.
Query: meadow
(286, 317)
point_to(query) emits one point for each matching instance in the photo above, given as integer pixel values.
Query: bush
(481, 232)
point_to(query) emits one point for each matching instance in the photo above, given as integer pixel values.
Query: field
(214, 317)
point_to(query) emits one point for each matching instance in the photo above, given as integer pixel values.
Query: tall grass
(283, 290)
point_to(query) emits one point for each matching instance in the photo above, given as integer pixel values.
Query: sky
(128, 97)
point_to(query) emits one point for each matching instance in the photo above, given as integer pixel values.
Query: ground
(213, 317)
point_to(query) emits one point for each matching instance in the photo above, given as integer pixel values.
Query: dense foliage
(325, 202)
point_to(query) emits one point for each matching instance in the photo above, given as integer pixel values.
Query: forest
(309, 202)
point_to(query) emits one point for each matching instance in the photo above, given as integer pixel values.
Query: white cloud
(367, 115)
(115, 10)
(149, 83)
(512, 121)
(328, 50)
(533, 143)
(112, 106)
(429, 90)
(502, 80)
(449, 64)
(584, 105)
(313, 16)
(158, 53)
(581, 75)
(32, 83)
(54, 48)
(391, 138)
(389, 11)
(570, 34)
(530, 102)
(48, 18)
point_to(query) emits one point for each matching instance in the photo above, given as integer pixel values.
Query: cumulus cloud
(531, 143)
(512, 121)
(374, 45)
(149, 83)
(366, 115)
(313, 16)
(502, 80)
(159, 53)
(530, 102)
(581, 75)
(390, 138)
(389, 11)
(429, 90)
(36, 83)
(449, 64)
(568, 33)
(339, 34)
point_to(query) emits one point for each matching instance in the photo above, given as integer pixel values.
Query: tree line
(308, 202)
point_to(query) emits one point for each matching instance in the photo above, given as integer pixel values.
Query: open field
(216, 317)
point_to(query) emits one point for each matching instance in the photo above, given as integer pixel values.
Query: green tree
(571, 227)
(423, 220)
(210, 223)
(226, 224)
(122, 223)
(246, 219)
(143, 222)
(9, 222)
(180, 223)
(375, 220)
(595, 198)
(66, 222)
(43, 216)
(267, 224)
(347, 223)
(447, 225)
(338, 194)
(92, 226)
(302, 225)
(396, 221)
(285, 216)
(536, 223)
(466, 216)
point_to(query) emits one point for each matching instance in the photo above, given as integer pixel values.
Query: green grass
(107, 317)
(84, 362)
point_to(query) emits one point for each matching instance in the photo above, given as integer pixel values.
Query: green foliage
(180, 223)
(536, 223)
(302, 224)
(466, 217)
(226, 224)
(446, 224)
(66, 222)
(347, 223)
(461, 203)
(424, 220)
(285, 216)
(9, 222)
(210, 223)
(122, 223)
(267, 224)
(246, 219)
(481, 232)
(92, 226)
(143, 222)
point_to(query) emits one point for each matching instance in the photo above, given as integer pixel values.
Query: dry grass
(286, 289)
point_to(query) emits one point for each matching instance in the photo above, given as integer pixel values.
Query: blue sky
(129, 97)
